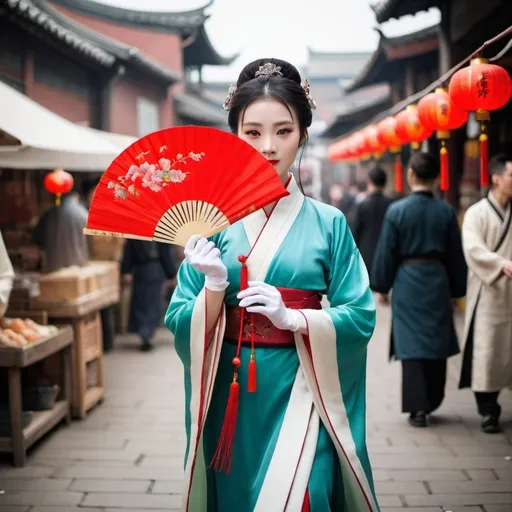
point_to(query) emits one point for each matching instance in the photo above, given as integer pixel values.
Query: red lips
(274, 162)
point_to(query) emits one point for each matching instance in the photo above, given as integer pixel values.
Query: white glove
(204, 256)
(265, 299)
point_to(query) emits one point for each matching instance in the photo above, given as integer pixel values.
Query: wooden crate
(67, 284)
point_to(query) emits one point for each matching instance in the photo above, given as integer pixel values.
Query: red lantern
(436, 111)
(481, 87)
(388, 137)
(58, 182)
(372, 141)
(409, 127)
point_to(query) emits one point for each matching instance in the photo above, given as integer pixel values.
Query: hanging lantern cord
(484, 156)
(58, 198)
(445, 170)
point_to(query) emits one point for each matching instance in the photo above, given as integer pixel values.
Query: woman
(291, 435)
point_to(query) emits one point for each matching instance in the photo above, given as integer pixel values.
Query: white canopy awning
(39, 139)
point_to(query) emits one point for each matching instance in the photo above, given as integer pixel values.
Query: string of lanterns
(479, 87)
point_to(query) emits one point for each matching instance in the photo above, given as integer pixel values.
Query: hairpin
(269, 69)
(311, 101)
(231, 92)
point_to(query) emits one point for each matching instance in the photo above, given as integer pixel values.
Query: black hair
(498, 163)
(286, 88)
(424, 166)
(378, 177)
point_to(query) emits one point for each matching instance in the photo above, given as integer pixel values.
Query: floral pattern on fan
(154, 176)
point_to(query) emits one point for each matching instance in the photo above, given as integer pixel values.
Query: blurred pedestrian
(487, 240)
(6, 277)
(358, 193)
(59, 233)
(370, 215)
(419, 256)
(149, 266)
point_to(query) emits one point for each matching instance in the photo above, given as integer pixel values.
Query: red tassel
(399, 175)
(251, 377)
(224, 453)
(484, 160)
(445, 169)
(244, 273)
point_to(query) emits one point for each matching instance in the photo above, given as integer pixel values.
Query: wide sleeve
(351, 303)
(455, 262)
(332, 354)
(485, 263)
(386, 259)
(178, 318)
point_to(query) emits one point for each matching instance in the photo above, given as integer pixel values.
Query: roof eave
(202, 44)
(160, 20)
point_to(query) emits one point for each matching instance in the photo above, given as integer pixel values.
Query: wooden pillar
(409, 80)
(28, 72)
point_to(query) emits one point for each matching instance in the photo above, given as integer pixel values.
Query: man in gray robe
(487, 242)
(60, 234)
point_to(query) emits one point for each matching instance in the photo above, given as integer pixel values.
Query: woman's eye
(253, 133)
(283, 131)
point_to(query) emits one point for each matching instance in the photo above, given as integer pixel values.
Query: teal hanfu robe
(300, 438)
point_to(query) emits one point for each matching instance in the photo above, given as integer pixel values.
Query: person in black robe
(149, 266)
(419, 255)
(370, 216)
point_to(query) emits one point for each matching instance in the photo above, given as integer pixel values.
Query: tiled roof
(387, 9)
(40, 15)
(29, 13)
(378, 58)
(174, 21)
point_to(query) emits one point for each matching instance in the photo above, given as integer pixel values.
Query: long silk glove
(204, 256)
(265, 299)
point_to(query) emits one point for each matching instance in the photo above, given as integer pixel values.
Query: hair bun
(254, 70)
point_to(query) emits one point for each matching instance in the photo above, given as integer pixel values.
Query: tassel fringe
(223, 455)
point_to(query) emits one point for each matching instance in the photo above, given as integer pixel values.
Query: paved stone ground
(127, 455)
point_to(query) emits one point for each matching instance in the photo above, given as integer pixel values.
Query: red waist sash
(265, 334)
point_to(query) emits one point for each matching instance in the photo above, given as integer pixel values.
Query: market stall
(34, 403)
(75, 296)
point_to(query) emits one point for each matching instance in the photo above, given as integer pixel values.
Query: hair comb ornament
(227, 101)
(268, 70)
(311, 101)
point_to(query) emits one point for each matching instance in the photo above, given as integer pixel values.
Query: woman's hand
(262, 298)
(204, 257)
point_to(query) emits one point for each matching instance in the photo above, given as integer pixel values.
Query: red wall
(68, 106)
(123, 108)
(162, 47)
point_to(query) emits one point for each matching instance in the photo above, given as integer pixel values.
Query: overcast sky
(285, 28)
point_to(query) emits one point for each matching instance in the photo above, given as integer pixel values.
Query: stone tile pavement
(126, 456)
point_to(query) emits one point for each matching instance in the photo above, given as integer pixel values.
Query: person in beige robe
(6, 277)
(487, 243)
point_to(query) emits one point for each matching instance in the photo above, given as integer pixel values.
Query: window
(148, 116)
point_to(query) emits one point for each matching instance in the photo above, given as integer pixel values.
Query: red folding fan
(178, 182)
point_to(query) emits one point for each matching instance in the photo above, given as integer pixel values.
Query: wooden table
(84, 316)
(14, 359)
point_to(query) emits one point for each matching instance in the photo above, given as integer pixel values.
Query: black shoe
(146, 346)
(491, 425)
(418, 419)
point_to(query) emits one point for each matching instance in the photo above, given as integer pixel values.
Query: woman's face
(269, 127)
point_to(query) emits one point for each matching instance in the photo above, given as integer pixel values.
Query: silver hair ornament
(227, 101)
(269, 69)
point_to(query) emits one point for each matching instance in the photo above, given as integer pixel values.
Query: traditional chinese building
(115, 69)
(465, 25)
